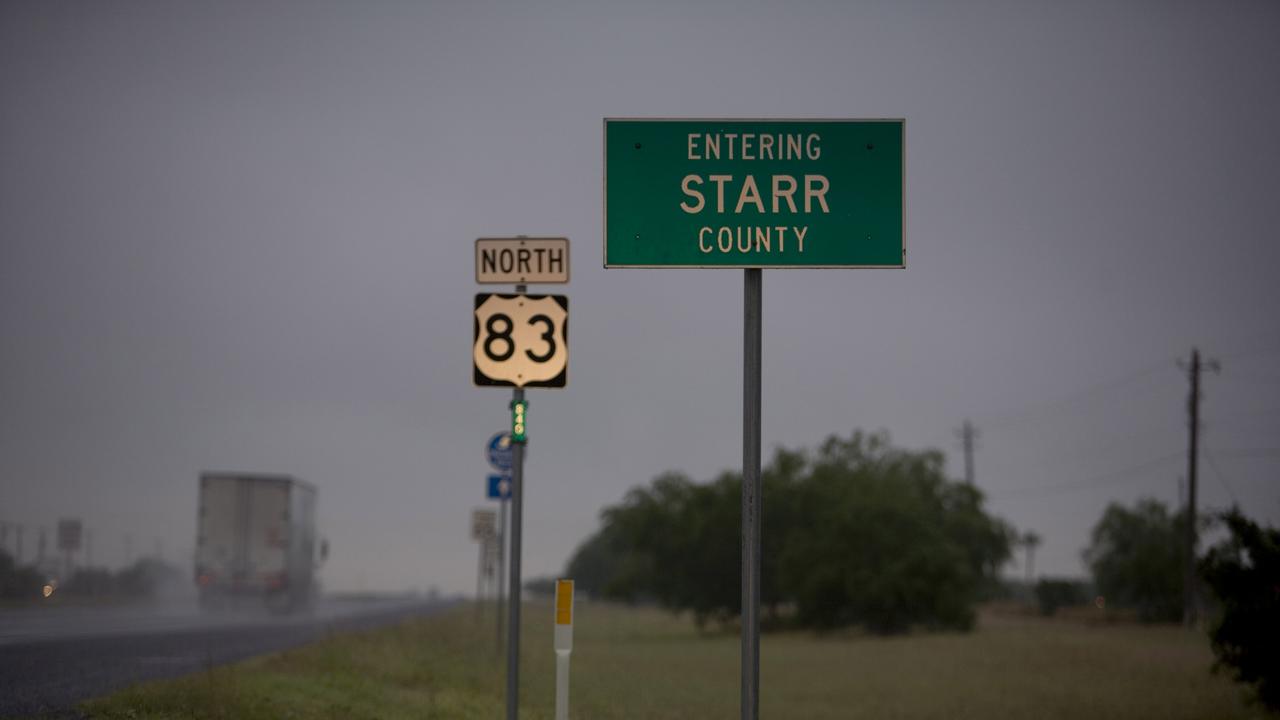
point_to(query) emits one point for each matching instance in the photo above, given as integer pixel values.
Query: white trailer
(256, 540)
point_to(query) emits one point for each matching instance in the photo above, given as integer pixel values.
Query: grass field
(645, 664)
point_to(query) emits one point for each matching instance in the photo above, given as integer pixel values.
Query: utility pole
(1194, 368)
(968, 434)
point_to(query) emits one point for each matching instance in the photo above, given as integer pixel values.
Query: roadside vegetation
(875, 570)
(645, 663)
(26, 584)
(1243, 570)
(857, 533)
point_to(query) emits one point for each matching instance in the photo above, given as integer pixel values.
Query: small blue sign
(499, 452)
(499, 487)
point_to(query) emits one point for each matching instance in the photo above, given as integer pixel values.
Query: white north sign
(517, 261)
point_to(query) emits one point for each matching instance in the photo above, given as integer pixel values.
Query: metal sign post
(563, 644)
(513, 602)
(751, 492)
(499, 488)
(483, 531)
(480, 579)
(502, 560)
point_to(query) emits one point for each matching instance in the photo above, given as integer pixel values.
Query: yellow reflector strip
(564, 602)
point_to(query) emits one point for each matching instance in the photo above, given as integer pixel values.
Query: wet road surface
(53, 658)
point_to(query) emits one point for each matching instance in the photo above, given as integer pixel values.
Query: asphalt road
(53, 658)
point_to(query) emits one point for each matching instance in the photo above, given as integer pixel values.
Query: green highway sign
(754, 193)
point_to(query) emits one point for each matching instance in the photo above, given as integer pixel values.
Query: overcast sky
(240, 235)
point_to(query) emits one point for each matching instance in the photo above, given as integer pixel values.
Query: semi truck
(256, 542)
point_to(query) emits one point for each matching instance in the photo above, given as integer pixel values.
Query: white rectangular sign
(483, 524)
(515, 261)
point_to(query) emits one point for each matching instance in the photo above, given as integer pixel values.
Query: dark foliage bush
(854, 533)
(1137, 561)
(18, 582)
(1052, 594)
(1244, 573)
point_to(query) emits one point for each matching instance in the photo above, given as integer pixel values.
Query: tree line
(1137, 554)
(859, 533)
(855, 532)
(145, 578)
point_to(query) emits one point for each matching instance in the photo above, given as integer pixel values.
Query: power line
(1251, 352)
(1111, 478)
(1021, 415)
(1221, 478)
(1248, 414)
(1250, 452)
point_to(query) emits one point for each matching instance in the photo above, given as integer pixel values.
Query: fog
(240, 236)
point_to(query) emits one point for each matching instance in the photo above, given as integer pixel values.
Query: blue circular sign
(499, 451)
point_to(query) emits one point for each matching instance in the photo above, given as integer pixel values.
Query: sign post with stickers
(563, 645)
(519, 341)
(754, 194)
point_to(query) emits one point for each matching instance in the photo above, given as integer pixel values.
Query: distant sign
(499, 452)
(520, 340)
(484, 524)
(513, 261)
(754, 193)
(499, 487)
(69, 532)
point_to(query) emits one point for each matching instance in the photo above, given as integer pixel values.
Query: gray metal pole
(967, 434)
(480, 581)
(751, 494)
(1193, 409)
(502, 556)
(513, 582)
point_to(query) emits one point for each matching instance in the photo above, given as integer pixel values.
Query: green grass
(646, 664)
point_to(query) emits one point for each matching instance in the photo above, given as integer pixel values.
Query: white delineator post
(564, 645)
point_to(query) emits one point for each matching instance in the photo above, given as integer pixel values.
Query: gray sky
(239, 236)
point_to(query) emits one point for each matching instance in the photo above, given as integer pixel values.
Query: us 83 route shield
(520, 340)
